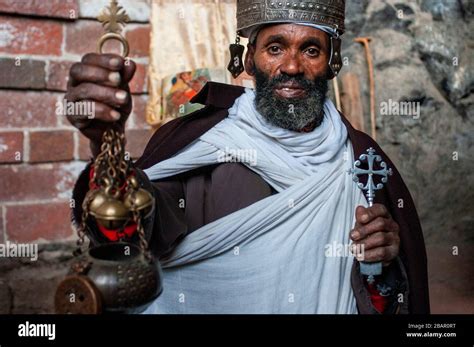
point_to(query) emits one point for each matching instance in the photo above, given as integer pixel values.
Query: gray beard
(292, 114)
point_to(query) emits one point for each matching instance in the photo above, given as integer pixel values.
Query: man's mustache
(284, 80)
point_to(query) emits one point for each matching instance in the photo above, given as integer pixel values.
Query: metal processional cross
(371, 269)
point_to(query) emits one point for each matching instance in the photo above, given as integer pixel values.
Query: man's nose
(291, 65)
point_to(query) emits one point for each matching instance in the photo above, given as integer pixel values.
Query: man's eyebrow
(275, 39)
(312, 41)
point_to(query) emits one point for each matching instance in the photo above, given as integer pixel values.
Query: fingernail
(121, 95)
(355, 235)
(114, 62)
(364, 217)
(115, 115)
(114, 77)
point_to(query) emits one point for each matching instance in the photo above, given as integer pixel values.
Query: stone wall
(422, 52)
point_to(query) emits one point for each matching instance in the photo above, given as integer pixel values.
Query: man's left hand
(376, 230)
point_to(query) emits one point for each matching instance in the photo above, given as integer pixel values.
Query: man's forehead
(291, 31)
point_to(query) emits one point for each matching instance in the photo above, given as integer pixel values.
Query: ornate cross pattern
(114, 19)
(370, 269)
(370, 187)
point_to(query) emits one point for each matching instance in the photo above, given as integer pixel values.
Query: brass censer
(114, 277)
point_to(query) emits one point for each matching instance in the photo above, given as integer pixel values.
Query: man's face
(290, 65)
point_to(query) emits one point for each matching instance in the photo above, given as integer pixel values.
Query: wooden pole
(365, 41)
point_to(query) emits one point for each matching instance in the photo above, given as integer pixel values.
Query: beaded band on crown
(258, 12)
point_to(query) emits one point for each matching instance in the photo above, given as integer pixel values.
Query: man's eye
(274, 49)
(313, 52)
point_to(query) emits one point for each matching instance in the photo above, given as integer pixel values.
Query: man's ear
(249, 60)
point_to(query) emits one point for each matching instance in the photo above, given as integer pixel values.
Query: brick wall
(40, 153)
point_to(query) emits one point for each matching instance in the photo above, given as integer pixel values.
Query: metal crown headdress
(258, 12)
(254, 13)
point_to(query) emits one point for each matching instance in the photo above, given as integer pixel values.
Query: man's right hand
(102, 79)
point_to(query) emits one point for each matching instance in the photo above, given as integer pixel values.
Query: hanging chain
(138, 220)
(81, 230)
(141, 235)
(113, 172)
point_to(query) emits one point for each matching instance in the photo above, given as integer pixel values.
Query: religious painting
(180, 88)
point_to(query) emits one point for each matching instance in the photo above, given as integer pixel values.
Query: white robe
(276, 255)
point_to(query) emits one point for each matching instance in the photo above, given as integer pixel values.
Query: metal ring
(114, 36)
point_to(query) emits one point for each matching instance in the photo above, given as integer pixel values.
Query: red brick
(22, 73)
(42, 221)
(30, 36)
(49, 8)
(137, 139)
(58, 75)
(11, 147)
(28, 109)
(84, 148)
(138, 84)
(139, 39)
(82, 36)
(50, 146)
(2, 230)
(138, 116)
(36, 182)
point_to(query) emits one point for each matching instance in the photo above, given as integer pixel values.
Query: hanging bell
(138, 199)
(94, 199)
(112, 213)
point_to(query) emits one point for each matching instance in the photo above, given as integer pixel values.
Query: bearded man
(252, 191)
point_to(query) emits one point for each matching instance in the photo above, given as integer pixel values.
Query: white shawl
(276, 255)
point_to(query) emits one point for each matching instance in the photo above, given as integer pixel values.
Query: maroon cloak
(205, 189)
